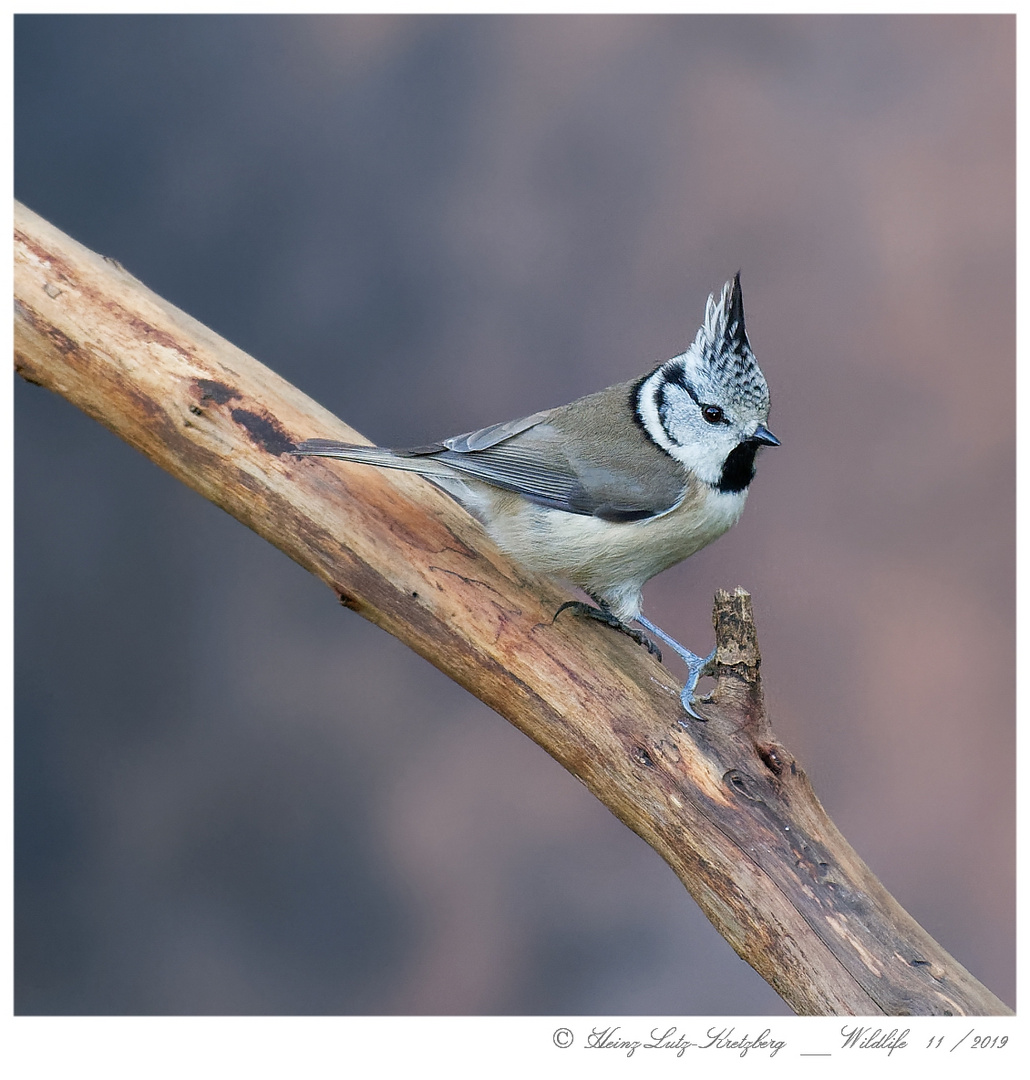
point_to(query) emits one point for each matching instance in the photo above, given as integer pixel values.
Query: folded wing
(535, 458)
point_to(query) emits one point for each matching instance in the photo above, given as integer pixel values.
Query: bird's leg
(604, 614)
(695, 665)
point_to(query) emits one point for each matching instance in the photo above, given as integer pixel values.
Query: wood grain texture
(723, 802)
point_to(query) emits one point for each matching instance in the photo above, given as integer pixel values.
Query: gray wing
(594, 475)
(590, 458)
(486, 437)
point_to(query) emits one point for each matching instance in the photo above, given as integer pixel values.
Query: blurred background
(233, 795)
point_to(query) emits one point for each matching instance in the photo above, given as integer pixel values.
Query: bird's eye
(712, 413)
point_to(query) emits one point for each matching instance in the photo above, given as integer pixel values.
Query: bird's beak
(764, 435)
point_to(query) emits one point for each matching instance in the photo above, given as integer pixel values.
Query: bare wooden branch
(723, 803)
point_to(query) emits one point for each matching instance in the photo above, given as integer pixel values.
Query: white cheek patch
(648, 398)
(663, 406)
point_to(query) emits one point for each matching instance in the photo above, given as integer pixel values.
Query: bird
(615, 487)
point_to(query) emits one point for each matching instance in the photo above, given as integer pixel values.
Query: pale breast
(610, 560)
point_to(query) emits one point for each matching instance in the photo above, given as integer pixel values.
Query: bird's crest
(721, 351)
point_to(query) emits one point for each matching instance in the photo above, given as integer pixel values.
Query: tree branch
(723, 803)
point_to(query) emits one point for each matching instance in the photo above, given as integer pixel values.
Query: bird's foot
(604, 614)
(696, 665)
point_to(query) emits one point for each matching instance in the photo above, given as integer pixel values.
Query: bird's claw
(603, 614)
(694, 672)
(696, 665)
(642, 639)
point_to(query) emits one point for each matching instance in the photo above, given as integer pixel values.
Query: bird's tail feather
(371, 455)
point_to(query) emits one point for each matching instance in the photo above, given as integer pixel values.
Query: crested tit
(619, 485)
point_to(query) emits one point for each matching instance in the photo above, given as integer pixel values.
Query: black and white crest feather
(722, 352)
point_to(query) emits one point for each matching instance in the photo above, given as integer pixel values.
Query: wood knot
(643, 757)
(743, 784)
(774, 756)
